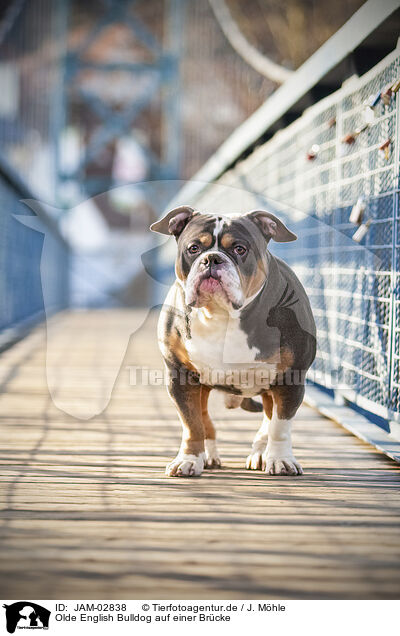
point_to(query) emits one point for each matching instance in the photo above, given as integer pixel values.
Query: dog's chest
(219, 351)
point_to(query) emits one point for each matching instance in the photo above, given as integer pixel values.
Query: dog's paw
(212, 458)
(287, 465)
(254, 461)
(185, 466)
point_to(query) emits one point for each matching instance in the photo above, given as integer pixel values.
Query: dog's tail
(247, 404)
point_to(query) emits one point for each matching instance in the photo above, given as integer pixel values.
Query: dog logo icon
(26, 615)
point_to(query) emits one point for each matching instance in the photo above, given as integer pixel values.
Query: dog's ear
(271, 226)
(174, 222)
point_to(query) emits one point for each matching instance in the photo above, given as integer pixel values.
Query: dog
(237, 319)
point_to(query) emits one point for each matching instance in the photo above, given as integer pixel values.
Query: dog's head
(222, 260)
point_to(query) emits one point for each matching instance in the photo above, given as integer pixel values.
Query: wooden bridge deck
(88, 513)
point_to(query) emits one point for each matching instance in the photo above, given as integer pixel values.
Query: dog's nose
(211, 259)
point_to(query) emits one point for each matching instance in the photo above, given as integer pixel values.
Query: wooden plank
(86, 511)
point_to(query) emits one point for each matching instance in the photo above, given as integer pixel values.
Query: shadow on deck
(88, 513)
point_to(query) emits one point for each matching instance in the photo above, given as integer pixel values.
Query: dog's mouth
(214, 285)
(211, 288)
(210, 284)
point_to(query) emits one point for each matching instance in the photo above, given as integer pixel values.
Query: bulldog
(237, 319)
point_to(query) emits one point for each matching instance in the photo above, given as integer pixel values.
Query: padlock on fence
(361, 232)
(386, 95)
(384, 149)
(313, 152)
(357, 212)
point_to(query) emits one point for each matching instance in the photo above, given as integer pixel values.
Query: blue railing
(25, 268)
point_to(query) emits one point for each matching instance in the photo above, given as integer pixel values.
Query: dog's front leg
(278, 458)
(185, 391)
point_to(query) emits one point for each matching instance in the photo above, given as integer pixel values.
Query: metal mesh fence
(341, 153)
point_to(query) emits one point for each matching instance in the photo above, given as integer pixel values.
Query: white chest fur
(219, 350)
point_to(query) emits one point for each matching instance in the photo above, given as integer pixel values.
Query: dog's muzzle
(213, 276)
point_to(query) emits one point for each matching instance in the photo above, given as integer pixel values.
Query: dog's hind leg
(255, 459)
(212, 458)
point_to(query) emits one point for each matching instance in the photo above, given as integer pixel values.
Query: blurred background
(100, 98)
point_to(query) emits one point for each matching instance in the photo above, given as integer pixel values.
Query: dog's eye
(193, 249)
(240, 250)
